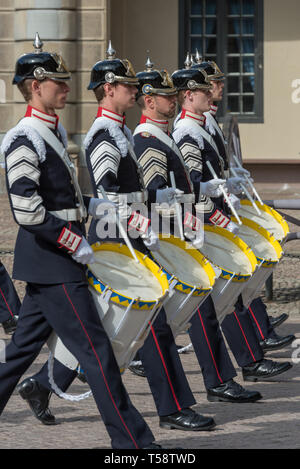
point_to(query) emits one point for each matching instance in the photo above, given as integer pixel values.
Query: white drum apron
(268, 253)
(191, 279)
(237, 263)
(269, 219)
(128, 296)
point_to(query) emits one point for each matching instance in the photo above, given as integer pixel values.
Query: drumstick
(117, 267)
(249, 181)
(247, 193)
(121, 228)
(177, 207)
(212, 171)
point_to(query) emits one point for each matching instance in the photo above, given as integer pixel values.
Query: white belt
(130, 198)
(68, 214)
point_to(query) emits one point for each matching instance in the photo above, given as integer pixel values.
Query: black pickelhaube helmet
(40, 65)
(153, 81)
(112, 70)
(209, 66)
(190, 78)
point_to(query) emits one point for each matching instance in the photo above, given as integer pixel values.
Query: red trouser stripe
(165, 366)
(244, 337)
(208, 343)
(10, 312)
(100, 366)
(256, 322)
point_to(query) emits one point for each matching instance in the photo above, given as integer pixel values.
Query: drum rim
(116, 296)
(226, 273)
(271, 211)
(268, 236)
(182, 286)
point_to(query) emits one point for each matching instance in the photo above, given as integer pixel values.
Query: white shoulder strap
(206, 136)
(58, 147)
(163, 137)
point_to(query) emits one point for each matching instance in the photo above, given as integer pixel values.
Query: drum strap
(58, 147)
(206, 136)
(163, 137)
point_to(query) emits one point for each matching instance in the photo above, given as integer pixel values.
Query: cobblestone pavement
(273, 422)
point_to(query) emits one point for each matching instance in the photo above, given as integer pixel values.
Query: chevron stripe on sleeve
(104, 159)
(154, 163)
(23, 175)
(192, 156)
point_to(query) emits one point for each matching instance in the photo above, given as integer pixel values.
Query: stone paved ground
(274, 422)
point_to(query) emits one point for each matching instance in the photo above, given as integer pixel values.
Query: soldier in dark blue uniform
(113, 166)
(9, 302)
(198, 148)
(269, 340)
(159, 155)
(51, 251)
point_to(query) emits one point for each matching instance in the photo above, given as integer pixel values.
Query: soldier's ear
(36, 86)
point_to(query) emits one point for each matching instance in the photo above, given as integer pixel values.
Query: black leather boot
(37, 397)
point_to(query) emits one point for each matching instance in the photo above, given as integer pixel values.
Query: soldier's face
(52, 94)
(217, 90)
(202, 100)
(165, 106)
(124, 95)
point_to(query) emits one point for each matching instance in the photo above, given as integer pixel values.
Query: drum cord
(59, 392)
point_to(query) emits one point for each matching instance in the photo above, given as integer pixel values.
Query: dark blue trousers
(9, 300)
(168, 383)
(260, 319)
(69, 310)
(209, 346)
(241, 336)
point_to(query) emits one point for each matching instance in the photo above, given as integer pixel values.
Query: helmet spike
(198, 57)
(188, 62)
(110, 53)
(37, 44)
(149, 64)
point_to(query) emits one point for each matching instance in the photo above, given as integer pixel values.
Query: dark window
(229, 32)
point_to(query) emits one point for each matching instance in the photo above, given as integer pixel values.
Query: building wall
(75, 28)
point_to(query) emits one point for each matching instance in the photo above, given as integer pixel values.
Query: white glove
(84, 253)
(99, 207)
(242, 172)
(234, 184)
(235, 201)
(212, 188)
(195, 237)
(151, 240)
(232, 227)
(168, 195)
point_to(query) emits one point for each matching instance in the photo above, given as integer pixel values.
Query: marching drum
(128, 296)
(269, 219)
(268, 253)
(191, 278)
(236, 261)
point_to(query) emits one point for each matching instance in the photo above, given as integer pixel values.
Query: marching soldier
(197, 148)
(51, 251)
(257, 310)
(159, 155)
(9, 302)
(112, 165)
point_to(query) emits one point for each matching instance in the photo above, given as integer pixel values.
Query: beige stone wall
(278, 137)
(75, 28)
(140, 25)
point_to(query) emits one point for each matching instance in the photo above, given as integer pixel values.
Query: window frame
(184, 7)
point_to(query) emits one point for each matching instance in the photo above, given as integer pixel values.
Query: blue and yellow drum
(191, 279)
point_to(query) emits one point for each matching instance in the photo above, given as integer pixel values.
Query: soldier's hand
(98, 208)
(84, 253)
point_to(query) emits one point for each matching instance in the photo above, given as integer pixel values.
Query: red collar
(163, 125)
(200, 119)
(49, 120)
(117, 118)
(213, 109)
